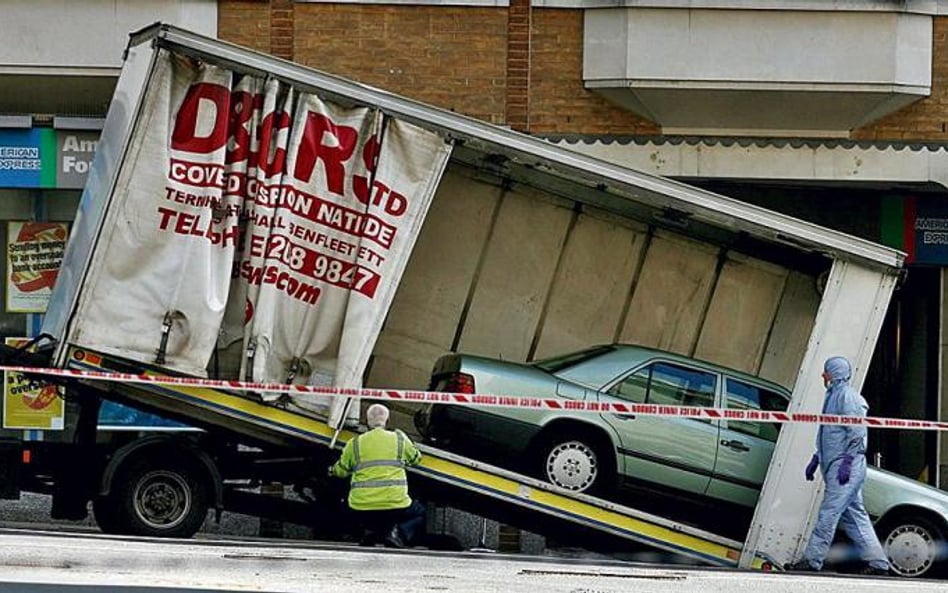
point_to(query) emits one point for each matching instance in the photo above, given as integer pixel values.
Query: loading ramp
(442, 476)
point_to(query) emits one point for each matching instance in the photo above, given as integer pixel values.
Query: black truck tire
(157, 499)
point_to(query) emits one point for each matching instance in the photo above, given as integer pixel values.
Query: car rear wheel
(915, 546)
(577, 462)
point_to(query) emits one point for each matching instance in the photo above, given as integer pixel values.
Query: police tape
(492, 401)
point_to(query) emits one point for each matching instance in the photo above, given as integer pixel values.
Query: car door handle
(736, 445)
(625, 416)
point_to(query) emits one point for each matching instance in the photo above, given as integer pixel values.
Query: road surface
(37, 561)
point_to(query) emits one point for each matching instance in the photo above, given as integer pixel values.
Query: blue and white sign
(21, 164)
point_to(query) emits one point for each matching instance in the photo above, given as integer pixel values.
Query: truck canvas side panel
(253, 216)
(110, 152)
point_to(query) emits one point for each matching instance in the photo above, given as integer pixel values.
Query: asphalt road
(37, 562)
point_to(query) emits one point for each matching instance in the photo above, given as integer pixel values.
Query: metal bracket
(294, 369)
(165, 333)
(251, 352)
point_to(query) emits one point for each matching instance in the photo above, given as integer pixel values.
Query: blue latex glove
(845, 468)
(811, 468)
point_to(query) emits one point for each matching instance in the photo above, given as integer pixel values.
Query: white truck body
(213, 242)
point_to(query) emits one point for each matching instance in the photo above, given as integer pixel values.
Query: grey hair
(376, 415)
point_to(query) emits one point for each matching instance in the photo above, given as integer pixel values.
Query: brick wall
(558, 101)
(453, 57)
(282, 31)
(519, 26)
(245, 22)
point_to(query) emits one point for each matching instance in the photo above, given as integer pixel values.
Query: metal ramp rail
(468, 484)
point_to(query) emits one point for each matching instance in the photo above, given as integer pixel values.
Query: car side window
(633, 388)
(743, 396)
(667, 384)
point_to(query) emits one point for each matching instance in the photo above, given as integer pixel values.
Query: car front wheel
(915, 546)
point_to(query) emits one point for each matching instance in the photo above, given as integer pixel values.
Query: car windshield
(565, 361)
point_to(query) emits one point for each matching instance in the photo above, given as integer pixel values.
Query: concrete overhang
(65, 91)
(881, 165)
(758, 72)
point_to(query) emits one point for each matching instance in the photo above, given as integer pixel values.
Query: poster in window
(30, 404)
(34, 254)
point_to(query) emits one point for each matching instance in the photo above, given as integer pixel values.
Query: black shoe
(872, 571)
(800, 566)
(394, 539)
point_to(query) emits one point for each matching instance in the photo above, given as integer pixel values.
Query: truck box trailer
(248, 218)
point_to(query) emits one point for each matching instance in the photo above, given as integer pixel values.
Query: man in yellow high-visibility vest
(378, 489)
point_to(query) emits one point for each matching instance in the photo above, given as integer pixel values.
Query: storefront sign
(34, 254)
(46, 158)
(74, 152)
(22, 154)
(930, 230)
(29, 404)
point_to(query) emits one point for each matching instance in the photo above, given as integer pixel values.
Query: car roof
(617, 358)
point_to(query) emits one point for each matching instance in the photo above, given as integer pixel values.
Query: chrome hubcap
(911, 550)
(572, 465)
(162, 499)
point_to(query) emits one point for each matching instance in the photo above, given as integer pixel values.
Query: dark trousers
(378, 524)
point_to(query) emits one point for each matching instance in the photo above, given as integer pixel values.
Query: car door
(745, 448)
(673, 452)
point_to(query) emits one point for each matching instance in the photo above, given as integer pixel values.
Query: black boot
(394, 539)
(874, 572)
(800, 565)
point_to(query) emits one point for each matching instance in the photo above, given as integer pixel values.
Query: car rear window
(565, 361)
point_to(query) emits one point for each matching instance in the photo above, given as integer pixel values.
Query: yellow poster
(29, 405)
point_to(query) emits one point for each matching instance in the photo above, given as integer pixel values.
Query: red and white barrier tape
(494, 401)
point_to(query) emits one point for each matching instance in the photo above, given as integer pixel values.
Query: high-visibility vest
(376, 461)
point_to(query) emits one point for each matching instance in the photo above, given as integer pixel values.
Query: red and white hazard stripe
(493, 401)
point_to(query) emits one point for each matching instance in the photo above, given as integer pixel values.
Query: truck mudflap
(11, 456)
(452, 479)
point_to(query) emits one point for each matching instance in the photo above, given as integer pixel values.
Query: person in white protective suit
(841, 457)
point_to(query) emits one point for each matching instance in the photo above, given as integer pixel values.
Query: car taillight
(458, 383)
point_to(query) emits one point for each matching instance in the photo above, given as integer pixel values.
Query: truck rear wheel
(159, 501)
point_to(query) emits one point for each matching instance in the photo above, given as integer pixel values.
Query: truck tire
(914, 544)
(158, 500)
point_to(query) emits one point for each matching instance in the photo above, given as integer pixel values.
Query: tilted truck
(250, 219)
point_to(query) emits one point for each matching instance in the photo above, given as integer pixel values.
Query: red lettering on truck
(322, 141)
